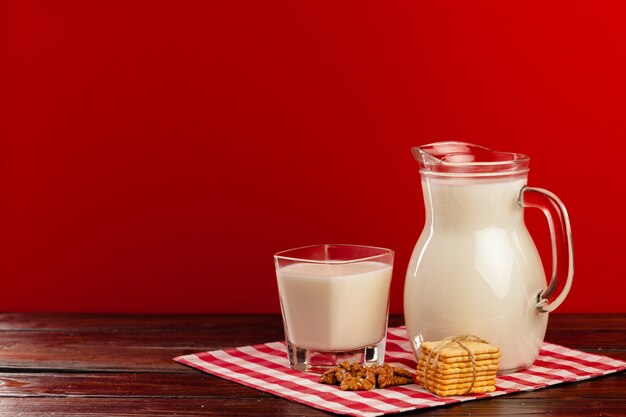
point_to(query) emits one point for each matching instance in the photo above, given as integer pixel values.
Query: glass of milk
(335, 303)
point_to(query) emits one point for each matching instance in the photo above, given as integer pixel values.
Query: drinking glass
(334, 300)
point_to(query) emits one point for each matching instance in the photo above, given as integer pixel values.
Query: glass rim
(282, 255)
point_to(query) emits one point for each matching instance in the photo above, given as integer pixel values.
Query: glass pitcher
(475, 268)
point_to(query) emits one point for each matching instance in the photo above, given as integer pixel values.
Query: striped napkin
(265, 367)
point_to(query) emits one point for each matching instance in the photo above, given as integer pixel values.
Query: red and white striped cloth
(265, 367)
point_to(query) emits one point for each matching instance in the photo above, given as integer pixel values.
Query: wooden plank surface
(187, 407)
(121, 365)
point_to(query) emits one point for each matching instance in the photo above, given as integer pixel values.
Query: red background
(155, 154)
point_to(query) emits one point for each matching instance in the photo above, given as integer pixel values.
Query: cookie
(458, 386)
(465, 378)
(466, 358)
(455, 349)
(436, 373)
(458, 365)
(474, 390)
(481, 365)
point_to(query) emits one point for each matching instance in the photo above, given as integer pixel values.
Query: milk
(475, 269)
(334, 307)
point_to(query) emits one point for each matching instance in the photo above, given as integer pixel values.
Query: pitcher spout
(464, 159)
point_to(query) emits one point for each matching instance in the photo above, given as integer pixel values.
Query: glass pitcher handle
(562, 250)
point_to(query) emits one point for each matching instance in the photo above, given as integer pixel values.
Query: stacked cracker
(458, 365)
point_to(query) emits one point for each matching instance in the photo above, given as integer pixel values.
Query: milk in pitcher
(475, 269)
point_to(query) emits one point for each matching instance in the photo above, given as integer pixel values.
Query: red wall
(155, 154)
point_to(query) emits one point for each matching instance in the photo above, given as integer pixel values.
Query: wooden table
(121, 365)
